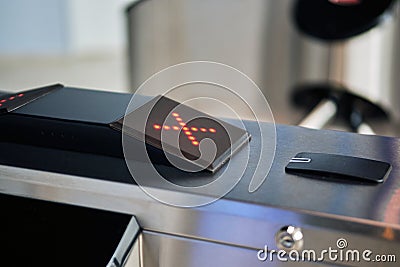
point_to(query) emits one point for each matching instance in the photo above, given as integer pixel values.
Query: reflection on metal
(267, 46)
(126, 246)
(168, 250)
(289, 238)
(135, 258)
(367, 65)
(300, 160)
(365, 129)
(320, 115)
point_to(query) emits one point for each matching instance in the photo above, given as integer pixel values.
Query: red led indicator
(187, 130)
(20, 95)
(1, 105)
(3, 101)
(12, 98)
(195, 143)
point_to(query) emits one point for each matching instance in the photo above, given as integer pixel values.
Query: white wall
(96, 25)
(61, 26)
(31, 27)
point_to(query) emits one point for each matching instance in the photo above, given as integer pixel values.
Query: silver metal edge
(125, 244)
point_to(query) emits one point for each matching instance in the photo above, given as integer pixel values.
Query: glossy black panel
(14, 101)
(41, 233)
(79, 105)
(340, 167)
(326, 20)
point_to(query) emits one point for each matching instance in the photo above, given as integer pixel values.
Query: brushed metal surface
(244, 224)
(167, 250)
(367, 216)
(374, 203)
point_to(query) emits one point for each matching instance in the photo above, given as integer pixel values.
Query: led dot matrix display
(188, 131)
(166, 117)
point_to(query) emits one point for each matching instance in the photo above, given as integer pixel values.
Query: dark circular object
(327, 20)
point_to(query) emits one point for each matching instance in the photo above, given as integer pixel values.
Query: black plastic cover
(346, 168)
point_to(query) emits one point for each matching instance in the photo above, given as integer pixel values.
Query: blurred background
(312, 59)
(74, 42)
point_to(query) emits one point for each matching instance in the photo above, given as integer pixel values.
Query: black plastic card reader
(185, 125)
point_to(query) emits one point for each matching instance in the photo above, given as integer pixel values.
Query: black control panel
(89, 121)
(64, 118)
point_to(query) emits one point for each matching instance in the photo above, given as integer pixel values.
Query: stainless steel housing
(232, 230)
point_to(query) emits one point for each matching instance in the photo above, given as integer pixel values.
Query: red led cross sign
(181, 126)
(190, 126)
